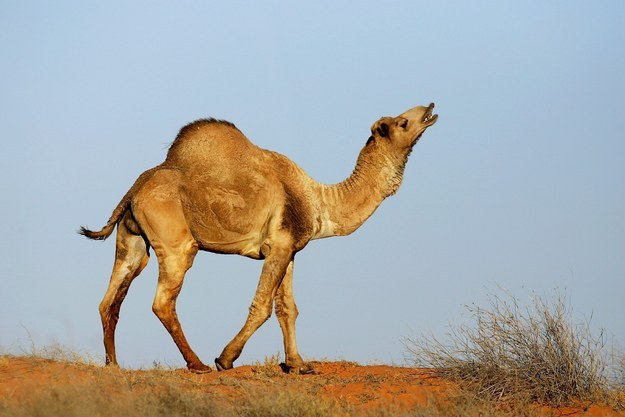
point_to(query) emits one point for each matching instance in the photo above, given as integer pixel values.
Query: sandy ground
(350, 384)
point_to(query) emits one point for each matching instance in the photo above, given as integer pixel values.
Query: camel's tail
(110, 225)
(119, 210)
(100, 235)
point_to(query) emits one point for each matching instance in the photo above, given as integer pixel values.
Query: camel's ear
(380, 127)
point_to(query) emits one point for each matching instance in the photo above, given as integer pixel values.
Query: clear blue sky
(521, 183)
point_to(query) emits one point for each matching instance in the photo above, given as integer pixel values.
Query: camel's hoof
(199, 368)
(221, 366)
(305, 369)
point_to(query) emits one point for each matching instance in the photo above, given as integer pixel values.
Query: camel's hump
(207, 139)
(204, 124)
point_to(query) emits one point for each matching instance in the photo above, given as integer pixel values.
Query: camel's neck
(345, 206)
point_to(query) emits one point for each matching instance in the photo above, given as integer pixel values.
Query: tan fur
(217, 191)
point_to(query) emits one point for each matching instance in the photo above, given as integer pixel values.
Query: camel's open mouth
(428, 117)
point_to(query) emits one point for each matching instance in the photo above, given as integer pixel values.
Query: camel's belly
(229, 219)
(249, 248)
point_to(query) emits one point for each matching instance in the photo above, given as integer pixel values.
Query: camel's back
(207, 142)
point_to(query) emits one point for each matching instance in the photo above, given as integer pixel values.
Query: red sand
(348, 383)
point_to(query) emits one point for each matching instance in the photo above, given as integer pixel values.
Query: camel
(218, 192)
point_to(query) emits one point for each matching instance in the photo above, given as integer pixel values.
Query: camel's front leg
(287, 313)
(274, 269)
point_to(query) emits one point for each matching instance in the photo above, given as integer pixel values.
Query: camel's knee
(286, 309)
(162, 308)
(260, 312)
(104, 309)
(121, 279)
(109, 307)
(109, 317)
(166, 313)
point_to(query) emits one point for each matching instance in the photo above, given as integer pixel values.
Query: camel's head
(403, 131)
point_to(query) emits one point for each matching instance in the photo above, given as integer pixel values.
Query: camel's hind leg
(131, 256)
(168, 233)
(287, 313)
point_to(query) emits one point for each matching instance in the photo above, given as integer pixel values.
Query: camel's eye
(403, 124)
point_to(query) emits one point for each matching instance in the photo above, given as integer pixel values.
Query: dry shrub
(536, 353)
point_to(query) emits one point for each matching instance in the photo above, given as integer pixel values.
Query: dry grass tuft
(534, 353)
(60, 353)
(269, 368)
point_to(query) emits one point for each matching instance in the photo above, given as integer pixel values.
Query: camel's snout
(429, 118)
(424, 115)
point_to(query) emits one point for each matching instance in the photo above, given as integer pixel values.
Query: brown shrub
(535, 353)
